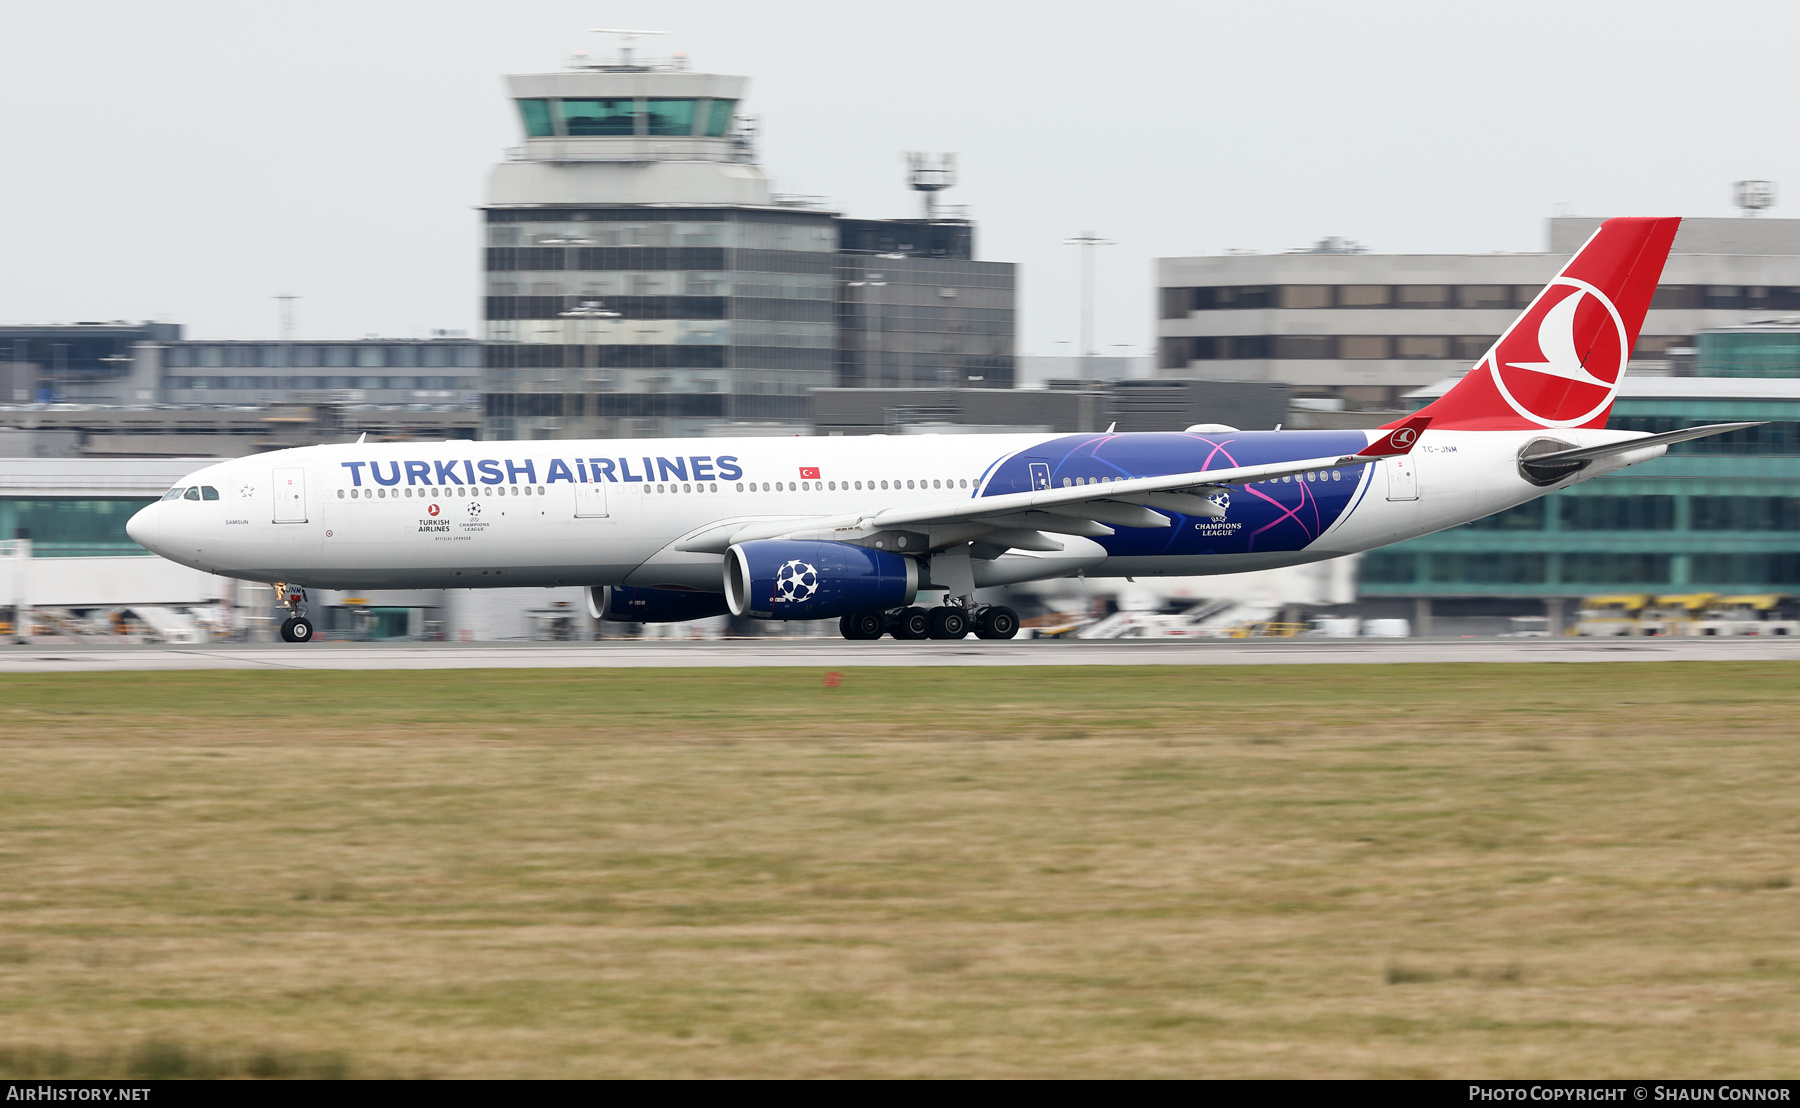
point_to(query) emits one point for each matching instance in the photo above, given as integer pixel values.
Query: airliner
(864, 529)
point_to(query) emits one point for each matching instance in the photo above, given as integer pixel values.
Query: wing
(1022, 519)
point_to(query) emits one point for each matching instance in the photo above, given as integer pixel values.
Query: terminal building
(643, 278)
(1364, 329)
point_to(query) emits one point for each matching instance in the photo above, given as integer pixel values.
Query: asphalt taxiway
(669, 653)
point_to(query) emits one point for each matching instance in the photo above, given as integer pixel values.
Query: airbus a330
(862, 529)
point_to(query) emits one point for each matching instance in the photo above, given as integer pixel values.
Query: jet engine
(788, 579)
(623, 604)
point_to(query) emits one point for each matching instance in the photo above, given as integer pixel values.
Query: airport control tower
(641, 277)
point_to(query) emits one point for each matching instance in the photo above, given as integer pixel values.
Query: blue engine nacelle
(623, 604)
(783, 579)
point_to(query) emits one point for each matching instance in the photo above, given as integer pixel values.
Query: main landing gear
(948, 621)
(295, 628)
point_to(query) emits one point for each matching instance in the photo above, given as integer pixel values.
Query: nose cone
(143, 527)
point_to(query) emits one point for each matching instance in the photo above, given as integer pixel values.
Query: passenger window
(884, 484)
(340, 494)
(909, 484)
(207, 492)
(963, 484)
(192, 494)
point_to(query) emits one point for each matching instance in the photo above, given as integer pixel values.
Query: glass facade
(626, 117)
(70, 527)
(1770, 353)
(598, 117)
(1710, 516)
(436, 373)
(925, 322)
(535, 114)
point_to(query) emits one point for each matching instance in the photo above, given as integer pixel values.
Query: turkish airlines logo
(1562, 362)
(1403, 438)
(433, 510)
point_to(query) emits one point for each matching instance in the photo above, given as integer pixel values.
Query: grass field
(1512, 870)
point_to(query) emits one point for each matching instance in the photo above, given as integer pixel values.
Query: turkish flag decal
(809, 473)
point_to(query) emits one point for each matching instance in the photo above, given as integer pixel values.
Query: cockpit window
(207, 492)
(193, 493)
(173, 494)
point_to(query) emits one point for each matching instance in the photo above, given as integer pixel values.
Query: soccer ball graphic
(795, 582)
(474, 511)
(1221, 498)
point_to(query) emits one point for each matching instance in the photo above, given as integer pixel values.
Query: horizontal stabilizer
(1589, 453)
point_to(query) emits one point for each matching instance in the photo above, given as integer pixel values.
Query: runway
(830, 653)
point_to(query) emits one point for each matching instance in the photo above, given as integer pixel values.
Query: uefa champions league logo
(1220, 499)
(796, 582)
(474, 511)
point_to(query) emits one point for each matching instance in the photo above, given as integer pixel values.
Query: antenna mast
(1752, 197)
(929, 174)
(626, 38)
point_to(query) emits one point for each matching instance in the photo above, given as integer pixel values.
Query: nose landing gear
(296, 628)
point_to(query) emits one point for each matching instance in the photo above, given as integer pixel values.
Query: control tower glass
(662, 116)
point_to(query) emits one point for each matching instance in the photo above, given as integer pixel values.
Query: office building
(1368, 328)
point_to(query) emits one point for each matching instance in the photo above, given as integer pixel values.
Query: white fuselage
(493, 514)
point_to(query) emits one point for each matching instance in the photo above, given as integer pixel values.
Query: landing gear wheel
(910, 623)
(998, 622)
(949, 622)
(296, 628)
(862, 625)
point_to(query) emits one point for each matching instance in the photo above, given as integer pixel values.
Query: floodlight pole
(1087, 241)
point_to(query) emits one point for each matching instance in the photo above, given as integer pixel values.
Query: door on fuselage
(290, 494)
(590, 500)
(1040, 476)
(1402, 479)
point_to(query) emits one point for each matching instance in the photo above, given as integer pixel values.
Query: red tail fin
(1561, 361)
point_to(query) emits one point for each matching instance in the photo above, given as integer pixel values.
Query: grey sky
(189, 160)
